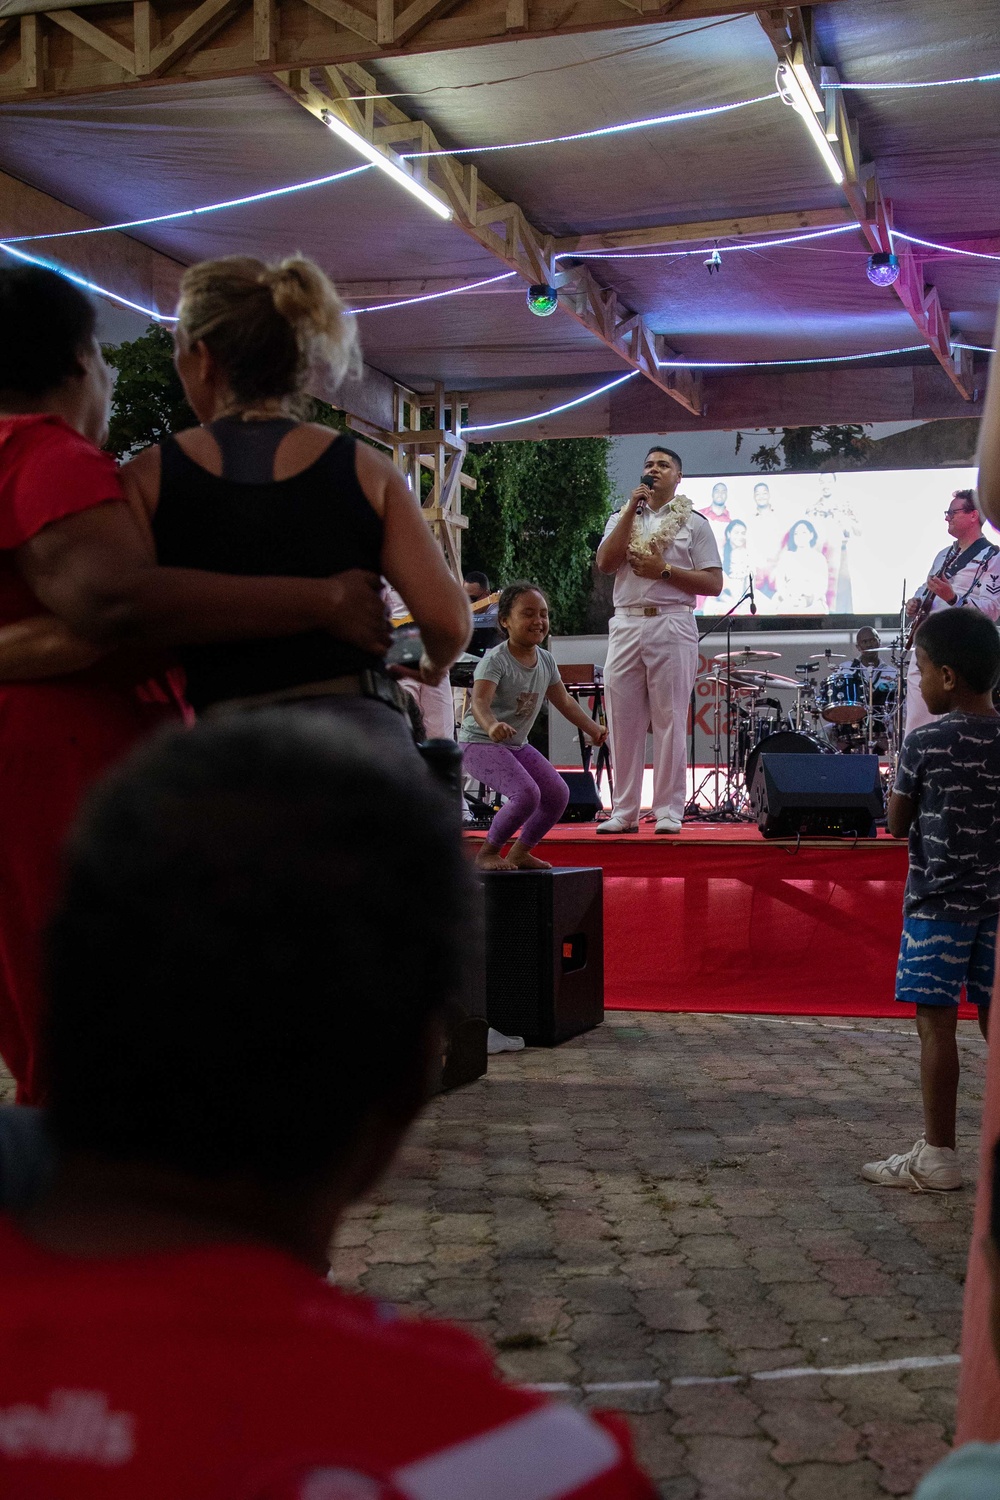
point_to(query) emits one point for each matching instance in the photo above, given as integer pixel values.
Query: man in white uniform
(662, 554)
(966, 574)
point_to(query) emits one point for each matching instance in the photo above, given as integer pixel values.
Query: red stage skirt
(718, 918)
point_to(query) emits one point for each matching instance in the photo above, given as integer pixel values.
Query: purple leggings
(537, 794)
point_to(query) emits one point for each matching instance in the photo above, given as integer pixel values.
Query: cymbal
(722, 682)
(828, 656)
(748, 655)
(769, 679)
(807, 666)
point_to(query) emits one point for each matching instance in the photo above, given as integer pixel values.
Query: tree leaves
(539, 513)
(149, 402)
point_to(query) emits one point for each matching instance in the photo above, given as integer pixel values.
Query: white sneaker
(497, 1042)
(923, 1169)
(617, 824)
(667, 825)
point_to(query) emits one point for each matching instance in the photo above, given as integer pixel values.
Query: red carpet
(719, 919)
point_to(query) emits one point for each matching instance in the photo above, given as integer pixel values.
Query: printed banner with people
(825, 543)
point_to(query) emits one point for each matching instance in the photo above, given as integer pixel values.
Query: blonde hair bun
(276, 330)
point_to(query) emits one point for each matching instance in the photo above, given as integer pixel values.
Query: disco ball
(542, 299)
(883, 268)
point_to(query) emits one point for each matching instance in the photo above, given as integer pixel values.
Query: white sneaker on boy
(925, 1169)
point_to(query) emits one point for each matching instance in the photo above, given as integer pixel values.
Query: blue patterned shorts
(936, 959)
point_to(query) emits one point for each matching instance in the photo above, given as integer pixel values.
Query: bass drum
(784, 742)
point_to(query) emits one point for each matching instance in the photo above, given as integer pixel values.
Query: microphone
(753, 603)
(648, 481)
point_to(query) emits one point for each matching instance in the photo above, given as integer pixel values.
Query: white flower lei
(675, 516)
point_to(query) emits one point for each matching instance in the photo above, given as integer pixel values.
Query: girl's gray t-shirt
(519, 695)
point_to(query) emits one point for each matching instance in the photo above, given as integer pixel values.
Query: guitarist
(485, 627)
(965, 574)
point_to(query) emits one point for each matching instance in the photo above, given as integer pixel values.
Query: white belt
(648, 610)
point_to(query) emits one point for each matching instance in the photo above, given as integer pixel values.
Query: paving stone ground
(673, 1196)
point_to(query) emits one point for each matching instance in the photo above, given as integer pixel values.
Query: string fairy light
(912, 239)
(538, 416)
(453, 291)
(604, 130)
(758, 364)
(185, 213)
(930, 83)
(796, 239)
(89, 286)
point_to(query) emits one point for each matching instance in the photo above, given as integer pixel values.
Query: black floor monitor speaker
(544, 952)
(584, 803)
(817, 796)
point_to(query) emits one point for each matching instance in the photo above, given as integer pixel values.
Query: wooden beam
(101, 42)
(788, 33)
(225, 38)
(478, 210)
(417, 15)
(195, 29)
(712, 229)
(31, 71)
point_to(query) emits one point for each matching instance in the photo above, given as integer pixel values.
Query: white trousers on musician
(648, 679)
(917, 712)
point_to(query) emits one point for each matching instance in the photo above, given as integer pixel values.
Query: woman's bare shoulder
(140, 477)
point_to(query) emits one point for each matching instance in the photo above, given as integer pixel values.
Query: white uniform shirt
(694, 546)
(985, 591)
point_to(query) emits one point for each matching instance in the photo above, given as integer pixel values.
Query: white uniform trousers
(917, 712)
(437, 707)
(648, 678)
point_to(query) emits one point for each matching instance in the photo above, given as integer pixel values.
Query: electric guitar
(927, 598)
(477, 608)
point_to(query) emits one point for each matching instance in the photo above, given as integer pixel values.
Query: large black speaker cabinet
(584, 799)
(466, 1025)
(544, 952)
(816, 796)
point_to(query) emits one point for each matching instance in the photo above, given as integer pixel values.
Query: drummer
(869, 661)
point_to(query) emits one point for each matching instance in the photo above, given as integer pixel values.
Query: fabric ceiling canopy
(175, 146)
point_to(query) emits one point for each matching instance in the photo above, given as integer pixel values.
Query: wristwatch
(666, 572)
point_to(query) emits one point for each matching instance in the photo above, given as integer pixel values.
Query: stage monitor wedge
(817, 796)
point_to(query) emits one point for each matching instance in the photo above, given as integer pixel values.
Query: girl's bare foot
(521, 858)
(490, 858)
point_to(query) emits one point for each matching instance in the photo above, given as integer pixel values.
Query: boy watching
(243, 1025)
(947, 798)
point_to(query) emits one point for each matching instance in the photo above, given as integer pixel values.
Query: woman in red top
(71, 545)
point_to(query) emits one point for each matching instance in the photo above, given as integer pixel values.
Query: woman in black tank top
(255, 493)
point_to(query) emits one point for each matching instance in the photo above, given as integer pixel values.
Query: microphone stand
(726, 812)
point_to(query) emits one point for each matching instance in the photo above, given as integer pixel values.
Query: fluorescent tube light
(380, 160)
(794, 95)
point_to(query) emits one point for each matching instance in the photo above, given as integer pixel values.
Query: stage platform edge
(719, 919)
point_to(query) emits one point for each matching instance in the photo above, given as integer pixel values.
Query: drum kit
(828, 708)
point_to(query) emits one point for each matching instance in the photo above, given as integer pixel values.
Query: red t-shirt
(232, 1373)
(47, 472)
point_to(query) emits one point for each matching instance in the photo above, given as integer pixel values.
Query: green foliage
(539, 513)
(149, 401)
(797, 448)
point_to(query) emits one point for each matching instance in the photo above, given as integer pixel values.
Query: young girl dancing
(510, 683)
